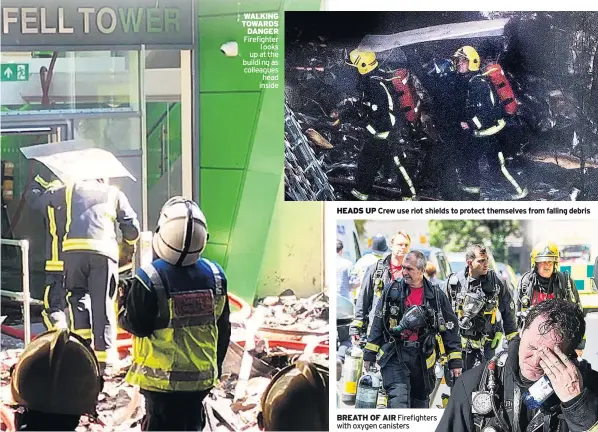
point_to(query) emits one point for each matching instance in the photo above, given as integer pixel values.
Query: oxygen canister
(408, 98)
(351, 373)
(535, 396)
(367, 390)
(382, 401)
(503, 87)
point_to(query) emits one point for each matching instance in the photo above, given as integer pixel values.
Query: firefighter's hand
(366, 365)
(464, 125)
(579, 352)
(563, 373)
(456, 372)
(355, 339)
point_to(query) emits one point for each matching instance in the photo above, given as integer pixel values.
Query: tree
(360, 227)
(455, 235)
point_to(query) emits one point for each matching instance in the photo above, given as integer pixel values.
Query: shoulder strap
(163, 317)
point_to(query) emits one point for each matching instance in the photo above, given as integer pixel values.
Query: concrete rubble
(300, 322)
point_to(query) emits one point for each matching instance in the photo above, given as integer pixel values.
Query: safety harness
(483, 329)
(492, 413)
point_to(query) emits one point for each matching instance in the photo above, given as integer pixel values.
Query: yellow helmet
(57, 373)
(296, 399)
(542, 252)
(471, 55)
(364, 61)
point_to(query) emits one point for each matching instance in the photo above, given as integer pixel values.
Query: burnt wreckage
(549, 59)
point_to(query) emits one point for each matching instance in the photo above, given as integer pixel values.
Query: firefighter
(56, 381)
(544, 282)
(476, 294)
(483, 118)
(492, 398)
(378, 108)
(90, 251)
(377, 276)
(177, 308)
(54, 221)
(407, 323)
(377, 251)
(296, 399)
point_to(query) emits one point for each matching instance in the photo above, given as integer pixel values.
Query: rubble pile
(307, 315)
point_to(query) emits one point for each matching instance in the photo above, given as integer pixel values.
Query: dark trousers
(54, 300)
(174, 411)
(406, 379)
(90, 280)
(476, 356)
(370, 159)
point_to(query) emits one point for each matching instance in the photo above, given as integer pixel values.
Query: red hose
(244, 311)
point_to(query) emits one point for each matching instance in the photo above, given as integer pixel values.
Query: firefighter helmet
(182, 232)
(471, 55)
(364, 61)
(296, 399)
(543, 252)
(58, 373)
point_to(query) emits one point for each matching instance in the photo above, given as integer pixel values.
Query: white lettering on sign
(100, 20)
(45, 28)
(86, 12)
(25, 19)
(62, 28)
(7, 19)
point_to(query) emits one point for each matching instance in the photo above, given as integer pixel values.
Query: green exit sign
(14, 72)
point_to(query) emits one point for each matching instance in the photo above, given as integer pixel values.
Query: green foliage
(360, 227)
(455, 235)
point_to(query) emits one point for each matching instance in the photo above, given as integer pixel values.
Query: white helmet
(182, 232)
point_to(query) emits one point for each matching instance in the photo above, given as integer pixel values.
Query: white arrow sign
(7, 72)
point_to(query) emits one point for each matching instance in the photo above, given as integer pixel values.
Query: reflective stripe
(68, 195)
(371, 129)
(170, 376)
(52, 222)
(403, 172)
(455, 355)
(43, 183)
(47, 321)
(46, 295)
(104, 246)
(131, 242)
(163, 316)
(382, 135)
(388, 96)
(54, 266)
(357, 323)
(393, 119)
(217, 277)
(372, 347)
(101, 355)
(440, 345)
(431, 360)
(507, 174)
(477, 122)
(492, 130)
(511, 335)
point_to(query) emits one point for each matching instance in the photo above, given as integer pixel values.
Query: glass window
(72, 82)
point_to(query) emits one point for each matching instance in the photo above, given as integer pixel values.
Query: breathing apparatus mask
(473, 303)
(414, 318)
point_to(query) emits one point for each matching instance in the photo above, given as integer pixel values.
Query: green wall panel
(221, 7)
(226, 143)
(218, 72)
(220, 190)
(217, 252)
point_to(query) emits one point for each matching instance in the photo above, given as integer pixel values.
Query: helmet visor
(546, 259)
